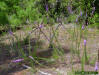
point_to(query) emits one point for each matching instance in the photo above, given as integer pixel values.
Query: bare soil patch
(58, 67)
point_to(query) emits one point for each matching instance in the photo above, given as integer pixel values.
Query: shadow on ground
(6, 54)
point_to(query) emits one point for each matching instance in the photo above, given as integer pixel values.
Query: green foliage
(14, 21)
(3, 18)
(3, 14)
(16, 12)
(71, 18)
(97, 6)
(94, 19)
(3, 6)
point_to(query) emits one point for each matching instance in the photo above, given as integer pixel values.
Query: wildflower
(87, 23)
(76, 19)
(83, 27)
(96, 66)
(18, 60)
(10, 32)
(86, 14)
(81, 13)
(69, 9)
(47, 7)
(93, 10)
(84, 42)
(40, 26)
(31, 57)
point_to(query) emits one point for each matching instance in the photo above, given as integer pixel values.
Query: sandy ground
(60, 67)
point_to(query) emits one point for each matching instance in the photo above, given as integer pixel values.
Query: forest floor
(59, 66)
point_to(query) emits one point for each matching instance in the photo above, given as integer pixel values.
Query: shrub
(14, 20)
(3, 18)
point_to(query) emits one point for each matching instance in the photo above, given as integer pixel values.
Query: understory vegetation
(36, 33)
(19, 13)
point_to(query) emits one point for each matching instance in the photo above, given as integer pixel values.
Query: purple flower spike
(16, 61)
(31, 57)
(83, 27)
(40, 26)
(93, 8)
(86, 14)
(92, 12)
(69, 9)
(96, 66)
(77, 19)
(87, 23)
(10, 32)
(81, 13)
(84, 42)
(47, 7)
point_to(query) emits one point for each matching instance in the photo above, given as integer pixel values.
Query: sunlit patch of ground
(59, 67)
